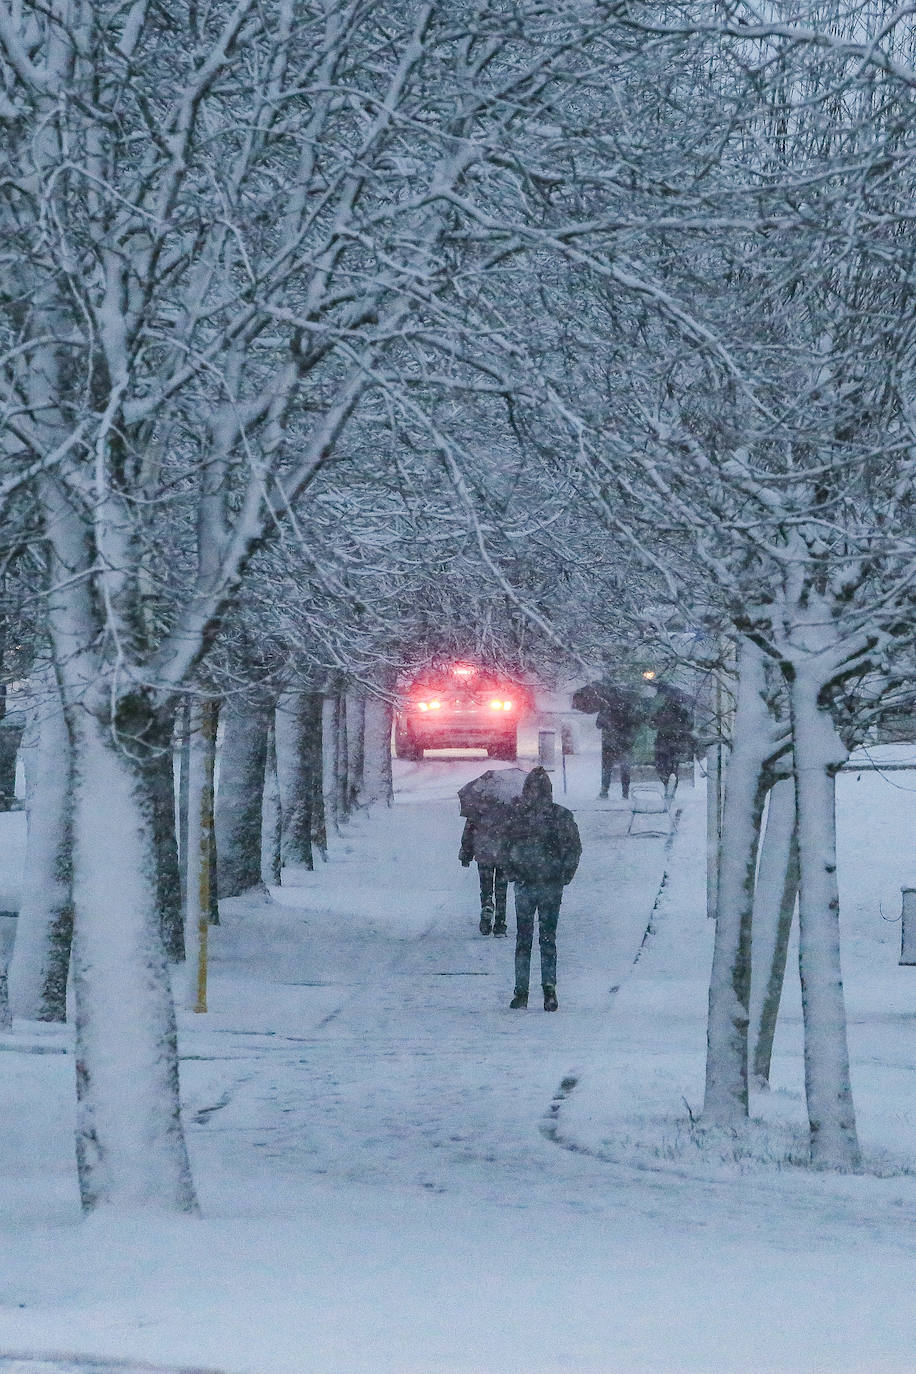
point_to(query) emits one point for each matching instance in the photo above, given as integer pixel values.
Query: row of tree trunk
(783, 771)
(232, 804)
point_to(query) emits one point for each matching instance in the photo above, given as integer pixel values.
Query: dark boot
(486, 923)
(499, 927)
(550, 997)
(519, 1001)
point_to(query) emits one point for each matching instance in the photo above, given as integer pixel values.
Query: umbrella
(494, 788)
(587, 698)
(605, 696)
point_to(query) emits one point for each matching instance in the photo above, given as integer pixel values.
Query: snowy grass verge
(688, 1148)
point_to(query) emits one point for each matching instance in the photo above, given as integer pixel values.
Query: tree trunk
(356, 736)
(41, 956)
(818, 752)
(184, 770)
(271, 816)
(7, 936)
(298, 737)
(168, 873)
(199, 853)
(329, 755)
(726, 1100)
(130, 1145)
(10, 740)
(341, 759)
(377, 779)
(240, 796)
(10, 735)
(774, 907)
(318, 749)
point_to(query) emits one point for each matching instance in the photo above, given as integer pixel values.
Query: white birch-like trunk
(377, 780)
(774, 906)
(240, 795)
(41, 955)
(726, 1099)
(818, 752)
(130, 1146)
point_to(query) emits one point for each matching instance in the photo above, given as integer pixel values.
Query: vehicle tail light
(498, 704)
(429, 705)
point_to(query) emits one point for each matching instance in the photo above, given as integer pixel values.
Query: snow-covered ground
(393, 1180)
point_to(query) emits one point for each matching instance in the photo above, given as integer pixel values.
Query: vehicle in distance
(460, 706)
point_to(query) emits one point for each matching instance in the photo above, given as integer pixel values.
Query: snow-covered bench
(650, 810)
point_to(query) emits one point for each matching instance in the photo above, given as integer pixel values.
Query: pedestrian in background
(483, 839)
(674, 738)
(619, 715)
(619, 718)
(541, 856)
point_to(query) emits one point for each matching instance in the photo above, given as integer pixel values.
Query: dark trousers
(543, 898)
(610, 754)
(493, 888)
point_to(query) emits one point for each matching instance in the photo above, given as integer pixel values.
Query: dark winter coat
(619, 718)
(674, 740)
(542, 839)
(620, 712)
(485, 835)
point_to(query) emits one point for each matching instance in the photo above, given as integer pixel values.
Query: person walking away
(674, 741)
(483, 839)
(619, 718)
(541, 856)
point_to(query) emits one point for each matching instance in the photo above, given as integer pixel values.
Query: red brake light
(500, 704)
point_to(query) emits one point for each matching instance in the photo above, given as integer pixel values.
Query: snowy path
(392, 1055)
(364, 1115)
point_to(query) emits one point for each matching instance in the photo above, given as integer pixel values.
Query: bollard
(908, 926)
(547, 748)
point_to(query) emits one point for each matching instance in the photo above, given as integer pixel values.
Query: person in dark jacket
(483, 839)
(674, 739)
(619, 714)
(541, 856)
(619, 718)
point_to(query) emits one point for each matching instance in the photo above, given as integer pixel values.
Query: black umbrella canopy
(587, 698)
(495, 788)
(598, 696)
